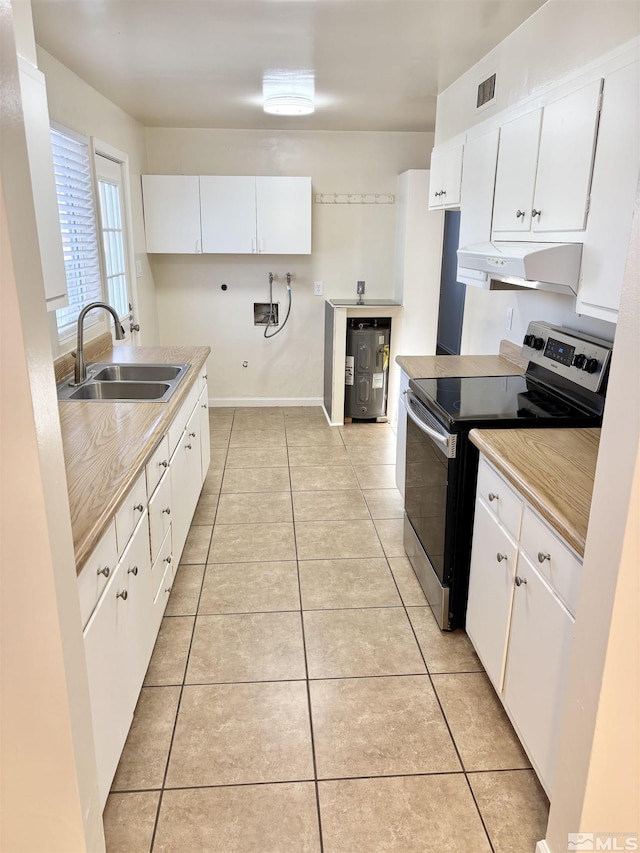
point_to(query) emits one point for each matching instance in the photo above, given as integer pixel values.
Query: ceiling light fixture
(288, 105)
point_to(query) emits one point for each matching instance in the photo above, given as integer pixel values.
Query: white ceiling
(378, 64)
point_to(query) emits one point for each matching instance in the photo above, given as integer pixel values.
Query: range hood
(539, 266)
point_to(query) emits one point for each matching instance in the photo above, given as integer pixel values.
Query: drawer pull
(520, 581)
(167, 509)
(168, 589)
(133, 571)
(500, 557)
(106, 571)
(163, 464)
(493, 496)
(167, 559)
(542, 557)
(204, 406)
(139, 507)
(192, 434)
(123, 595)
(188, 446)
(204, 376)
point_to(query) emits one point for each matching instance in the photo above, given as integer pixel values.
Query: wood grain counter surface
(107, 444)
(553, 468)
(439, 366)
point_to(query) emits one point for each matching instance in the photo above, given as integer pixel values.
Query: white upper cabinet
(446, 175)
(283, 216)
(226, 214)
(228, 205)
(172, 213)
(545, 162)
(476, 198)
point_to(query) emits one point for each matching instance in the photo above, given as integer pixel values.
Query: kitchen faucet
(80, 372)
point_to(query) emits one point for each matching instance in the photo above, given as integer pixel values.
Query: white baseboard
(256, 402)
(542, 847)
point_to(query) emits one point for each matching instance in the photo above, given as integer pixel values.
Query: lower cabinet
(519, 618)
(123, 599)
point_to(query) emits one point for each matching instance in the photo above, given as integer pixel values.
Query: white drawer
(180, 421)
(162, 561)
(162, 597)
(160, 514)
(503, 502)
(130, 512)
(96, 572)
(552, 557)
(157, 465)
(202, 379)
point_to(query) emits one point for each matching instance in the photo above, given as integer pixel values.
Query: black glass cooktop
(497, 398)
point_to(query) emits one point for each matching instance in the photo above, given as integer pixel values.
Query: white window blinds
(76, 208)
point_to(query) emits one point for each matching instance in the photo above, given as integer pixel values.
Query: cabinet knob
(204, 376)
(139, 507)
(492, 496)
(133, 571)
(168, 589)
(123, 595)
(542, 557)
(192, 434)
(163, 464)
(167, 559)
(519, 213)
(535, 212)
(500, 557)
(167, 509)
(188, 446)
(520, 581)
(204, 406)
(106, 571)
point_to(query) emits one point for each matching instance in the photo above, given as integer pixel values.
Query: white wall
(76, 105)
(349, 243)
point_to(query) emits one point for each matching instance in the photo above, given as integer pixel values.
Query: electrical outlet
(509, 320)
(318, 288)
(360, 287)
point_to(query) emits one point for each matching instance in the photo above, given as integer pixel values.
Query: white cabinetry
(172, 213)
(523, 587)
(186, 480)
(476, 198)
(186, 214)
(544, 166)
(446, 175)
(401, 434)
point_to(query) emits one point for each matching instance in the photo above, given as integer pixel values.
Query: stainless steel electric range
(563, 386)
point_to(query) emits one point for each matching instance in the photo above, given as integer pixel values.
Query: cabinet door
(445, 176)
(283, 208)
(172, 213)
(186, 482)
(565, 160)
(205, 442)
(437, 178)
(476, 198)
(537, 666)
(228, 208)
(493, 564)
(516, 173)
(105, 644)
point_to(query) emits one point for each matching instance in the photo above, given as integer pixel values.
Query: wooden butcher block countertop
(553, 468)
(107, 444)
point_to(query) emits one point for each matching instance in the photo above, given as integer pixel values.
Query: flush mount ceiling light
(288, 93)
(289, 105)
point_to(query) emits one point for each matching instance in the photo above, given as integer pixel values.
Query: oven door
(431, 474)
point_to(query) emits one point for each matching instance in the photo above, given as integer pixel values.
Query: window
(94, 240)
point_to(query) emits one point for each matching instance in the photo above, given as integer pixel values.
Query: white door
(565, 161)
(452, 176)
(437, 178)
(228, 208)
(516, 173)
(537, 666)
(172, 213)
(493, 564)
(283, 215)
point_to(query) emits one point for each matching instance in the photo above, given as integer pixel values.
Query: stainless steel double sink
(126, 382)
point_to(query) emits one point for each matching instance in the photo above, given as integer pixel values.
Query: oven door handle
(444, 440)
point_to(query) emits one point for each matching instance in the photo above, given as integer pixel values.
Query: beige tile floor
(301, 696)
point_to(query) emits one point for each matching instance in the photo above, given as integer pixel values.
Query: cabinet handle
(204, 406)
(205, 376)
(168, 589)
(139, 507)
(106, 571)
(519, 213)
(535, 212)
(133, 571)
(188, 446)
(500, 557)
(163, 464)
(192, 434)
(198, 248)
(167, 559)
(123, 595)
(520, 581)
(492, 496)
(542, 557)
(167, 510)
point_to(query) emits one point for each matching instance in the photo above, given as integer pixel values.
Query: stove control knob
(591, 365)
(528, 340)
(579, 360)
(538, 343)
